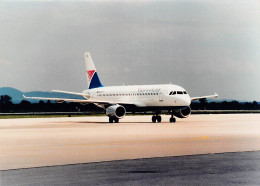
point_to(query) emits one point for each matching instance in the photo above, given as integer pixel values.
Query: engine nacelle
(117, 111)
(182, 113)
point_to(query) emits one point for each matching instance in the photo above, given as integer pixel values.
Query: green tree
(6, 104)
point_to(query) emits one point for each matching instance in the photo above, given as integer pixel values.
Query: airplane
(117, 100)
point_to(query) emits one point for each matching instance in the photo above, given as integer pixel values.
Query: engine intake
(182, 113)
(117, 111)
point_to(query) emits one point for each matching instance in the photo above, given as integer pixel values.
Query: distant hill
(17, 95)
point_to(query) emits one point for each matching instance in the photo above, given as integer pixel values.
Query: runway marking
(200, 138)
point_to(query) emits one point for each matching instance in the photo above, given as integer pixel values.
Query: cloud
(202, 45)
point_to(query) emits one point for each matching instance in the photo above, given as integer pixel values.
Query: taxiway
(38, 142)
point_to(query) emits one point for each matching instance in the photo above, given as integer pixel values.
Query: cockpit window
(184, 92)
(172, 93)
(179, 92)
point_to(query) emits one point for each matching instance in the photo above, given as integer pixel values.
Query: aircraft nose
(186, 100)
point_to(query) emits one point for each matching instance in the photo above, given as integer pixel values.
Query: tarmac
(240, 168)
(41, 142)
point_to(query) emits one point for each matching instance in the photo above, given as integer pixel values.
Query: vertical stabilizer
(93, 79)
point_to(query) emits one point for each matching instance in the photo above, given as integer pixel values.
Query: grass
(44, 116)
(15, 116)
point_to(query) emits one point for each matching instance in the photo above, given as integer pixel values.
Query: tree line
(7, 106)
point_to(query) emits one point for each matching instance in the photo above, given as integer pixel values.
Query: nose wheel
(172, 119)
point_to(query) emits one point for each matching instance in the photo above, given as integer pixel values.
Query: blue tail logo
(94, 79)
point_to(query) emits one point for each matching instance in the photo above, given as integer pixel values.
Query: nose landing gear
(172, 120)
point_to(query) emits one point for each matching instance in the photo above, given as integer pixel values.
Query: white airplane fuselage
(142, 95)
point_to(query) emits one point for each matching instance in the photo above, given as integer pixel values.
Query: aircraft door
(160, 96)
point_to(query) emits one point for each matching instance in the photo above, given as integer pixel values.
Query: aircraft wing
(78, 100)
(66, 92)
(204, 97)
(57, 99)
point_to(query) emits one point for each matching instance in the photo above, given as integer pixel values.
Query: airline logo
(90, 74)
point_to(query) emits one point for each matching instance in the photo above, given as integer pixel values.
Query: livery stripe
(95, 82)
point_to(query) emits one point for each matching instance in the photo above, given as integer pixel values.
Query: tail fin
(93, 79)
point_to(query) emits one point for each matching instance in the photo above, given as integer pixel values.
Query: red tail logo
(90, 74)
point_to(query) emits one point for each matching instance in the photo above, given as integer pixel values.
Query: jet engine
(117, 111)
(182, 113)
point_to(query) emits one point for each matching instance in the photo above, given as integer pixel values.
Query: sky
(205, 46)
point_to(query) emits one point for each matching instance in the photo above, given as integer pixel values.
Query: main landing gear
(157, 117)
(113, 119)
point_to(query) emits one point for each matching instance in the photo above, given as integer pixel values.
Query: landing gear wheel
(172, 120)
(159, 119)
(111, 120)
(154, 119)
